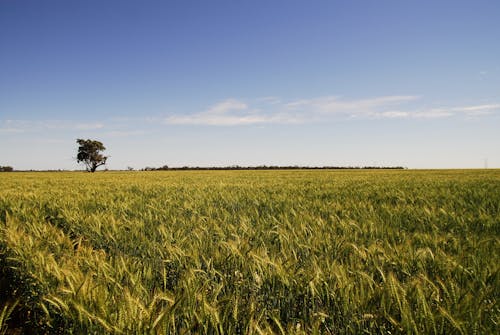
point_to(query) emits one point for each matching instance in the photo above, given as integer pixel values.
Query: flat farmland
(250, 252)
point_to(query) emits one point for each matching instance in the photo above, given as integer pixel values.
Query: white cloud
(232, 112)
(261, 111)
(229, 112)
(478, 110)
(13, 126)
(394, 114)
(226, 106)
(216, 120)
(89, 126)
(69, 125)
(353, 108)
(442, 112)
(434, 113)
(23, 126)
(11, 130)
(123, 133)
(270, 99)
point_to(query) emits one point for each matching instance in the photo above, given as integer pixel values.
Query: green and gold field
(250, 252)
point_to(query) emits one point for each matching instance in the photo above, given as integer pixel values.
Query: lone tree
(89, 153)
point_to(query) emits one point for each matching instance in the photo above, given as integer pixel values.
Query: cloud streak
(261, 111)
(322, 108)
(444, 112)
(232, 112)
(25, 126)
(226, 113)
(272, 110)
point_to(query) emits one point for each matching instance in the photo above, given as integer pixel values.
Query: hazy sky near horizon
(211, 83)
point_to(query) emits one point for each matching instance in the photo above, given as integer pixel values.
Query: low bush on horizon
(250, 252)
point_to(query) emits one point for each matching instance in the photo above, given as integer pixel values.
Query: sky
(215, 83)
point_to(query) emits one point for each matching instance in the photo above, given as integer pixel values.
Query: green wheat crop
(250, 252)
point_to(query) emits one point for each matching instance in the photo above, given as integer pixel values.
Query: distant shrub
(6, 169)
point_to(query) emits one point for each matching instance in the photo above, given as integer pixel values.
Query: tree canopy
(90, 154)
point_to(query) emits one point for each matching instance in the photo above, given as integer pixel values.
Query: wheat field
(250, 252)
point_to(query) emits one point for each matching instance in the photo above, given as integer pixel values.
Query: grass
(250, 252)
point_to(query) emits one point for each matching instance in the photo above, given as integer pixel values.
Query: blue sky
(211, 83)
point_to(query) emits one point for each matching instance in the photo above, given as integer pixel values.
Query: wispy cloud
(232, 112)
(271, 100)
(6, 130)
(443, 112)
(336, 106)
(123, 127)
(226, 106)
(124, 133)
(267, 110)
(24, 126)
(478, 110)
(433, 113)
(261, 111)
(13, 126)
(68, 125)
(394, 114)
(89, 126)
(113, 129)
(226, 113)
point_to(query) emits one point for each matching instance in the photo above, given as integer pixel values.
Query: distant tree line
(6, 169)
(274, 167)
